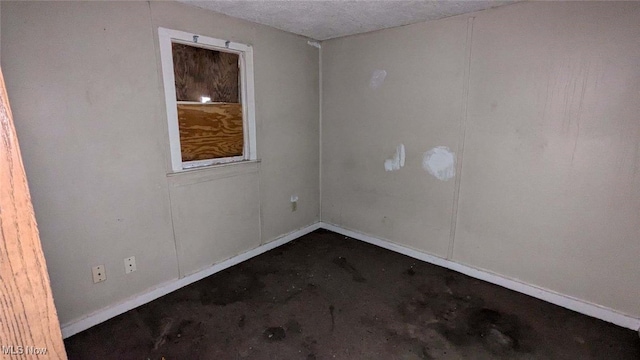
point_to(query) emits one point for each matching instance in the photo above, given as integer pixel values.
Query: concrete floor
(325, 296)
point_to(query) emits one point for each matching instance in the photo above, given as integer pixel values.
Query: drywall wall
(549, 190)
(381, 90)
(287, 137)
(85, 85)
(539, 116)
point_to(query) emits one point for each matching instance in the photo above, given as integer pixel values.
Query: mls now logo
(22, 350)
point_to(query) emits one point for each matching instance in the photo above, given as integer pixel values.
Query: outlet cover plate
(130, 265)
(99, 274)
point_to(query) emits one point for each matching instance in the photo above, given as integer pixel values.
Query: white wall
(550, 183)
(418, 105)
(543, 100)
(85, 86)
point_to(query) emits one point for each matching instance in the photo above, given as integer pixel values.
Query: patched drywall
(397, 161)
(365, 118)
(440, 162)
(377, 78)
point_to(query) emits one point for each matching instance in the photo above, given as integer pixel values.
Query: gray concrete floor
(325, 296)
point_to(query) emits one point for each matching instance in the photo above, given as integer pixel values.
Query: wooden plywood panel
(29, 327)
(209, 131)
(204, 72)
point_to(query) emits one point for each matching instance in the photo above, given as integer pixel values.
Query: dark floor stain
(333, 318)
(293, 327)
(276, 333)
(309, 344)
(502, 331)
(497, 331)
(410, 271)
(291, 296)
(241, 321)
(153, 317)
(344, 264)
(184, 326)
(312, 286)
(231, 287)
(498, 342)
(425, 353)
(450, 280)
(164, 332)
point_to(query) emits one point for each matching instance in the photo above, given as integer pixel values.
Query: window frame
(245, 52)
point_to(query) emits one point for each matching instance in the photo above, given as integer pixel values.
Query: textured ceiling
(322, 20)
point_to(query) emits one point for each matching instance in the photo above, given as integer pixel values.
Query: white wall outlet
(99, 274)
(294, 202)
(130, 265)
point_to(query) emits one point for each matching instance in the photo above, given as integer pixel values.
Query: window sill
(212, 172)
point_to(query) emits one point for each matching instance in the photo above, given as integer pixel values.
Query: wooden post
(29, 327)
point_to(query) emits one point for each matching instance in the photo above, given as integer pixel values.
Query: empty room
(320, 180)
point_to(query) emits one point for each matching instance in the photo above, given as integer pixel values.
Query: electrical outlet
(294, 202)
(130, 265)
(99, 274)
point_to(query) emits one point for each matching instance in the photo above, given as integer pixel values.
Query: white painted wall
(548, 180)
(85, 86)
(418, 105)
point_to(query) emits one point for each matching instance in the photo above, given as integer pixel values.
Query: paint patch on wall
(377, 79)
(397, 161)
(315, 44)
(440, 162)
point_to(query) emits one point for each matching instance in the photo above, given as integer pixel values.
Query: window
(208, 86)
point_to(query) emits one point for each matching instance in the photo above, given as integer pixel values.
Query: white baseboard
(565, 301)
(109, 312)
(577, 305)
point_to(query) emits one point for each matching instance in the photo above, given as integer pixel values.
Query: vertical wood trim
(28, 318)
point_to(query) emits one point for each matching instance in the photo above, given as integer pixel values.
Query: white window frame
(245, 52)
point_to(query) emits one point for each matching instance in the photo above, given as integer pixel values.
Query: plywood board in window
(204, 72)
(210, 131)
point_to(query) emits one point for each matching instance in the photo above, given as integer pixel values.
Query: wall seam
(320, 91)
(159, 81)
(464, 106)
